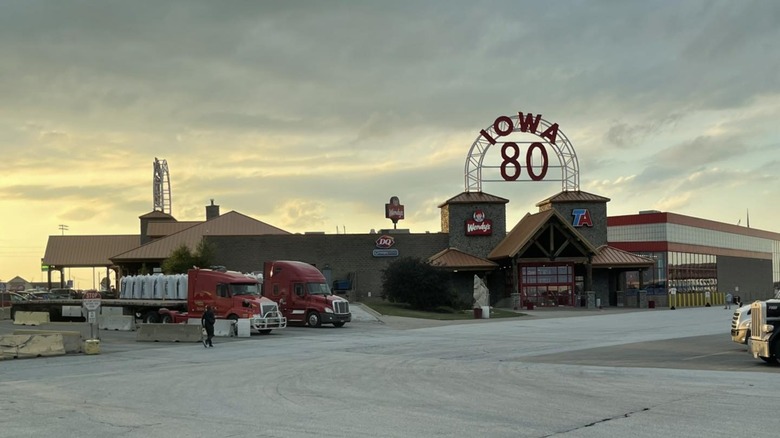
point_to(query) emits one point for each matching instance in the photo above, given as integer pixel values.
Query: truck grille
(341, 307)
(735, 320)
(756, 319)
(268, 309)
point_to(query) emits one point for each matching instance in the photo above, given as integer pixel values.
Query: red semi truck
(232, 295)
(303, 294)
(177, 298)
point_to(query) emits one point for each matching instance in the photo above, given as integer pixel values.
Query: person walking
(729, 298)
(207, 321)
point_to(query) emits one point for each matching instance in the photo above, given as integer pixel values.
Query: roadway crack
(616, 417)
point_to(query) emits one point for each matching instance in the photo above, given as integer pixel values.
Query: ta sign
(581, 218)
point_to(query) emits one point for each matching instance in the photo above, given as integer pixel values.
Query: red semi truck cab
(303, 294)
(232, 295)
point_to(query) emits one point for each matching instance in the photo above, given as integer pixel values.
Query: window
(547, 284)
(298, 288)
(222, 290)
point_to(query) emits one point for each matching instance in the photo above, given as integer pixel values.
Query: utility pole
(63, 228)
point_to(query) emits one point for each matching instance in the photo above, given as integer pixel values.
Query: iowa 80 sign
(529, 149)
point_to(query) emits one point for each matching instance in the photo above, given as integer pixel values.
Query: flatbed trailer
(146, 310)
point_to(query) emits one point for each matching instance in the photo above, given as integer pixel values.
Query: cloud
(279, 108)
(624, 135)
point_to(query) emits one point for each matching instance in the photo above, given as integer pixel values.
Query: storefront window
(547, 284)
(690, 272)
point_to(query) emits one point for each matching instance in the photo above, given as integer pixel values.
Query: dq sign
(532, 164)
(383, 247)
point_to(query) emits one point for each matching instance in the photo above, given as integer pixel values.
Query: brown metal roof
(454, 258)
(87, 251)
(573, 196)
(611, 257)
(521, 232)
(526, 229)
(156, 214)
(228, 224)
(160, 229)
(474, 197)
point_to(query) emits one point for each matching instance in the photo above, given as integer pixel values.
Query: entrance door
(547, 284)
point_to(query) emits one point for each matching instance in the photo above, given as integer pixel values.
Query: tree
(180, 260)
(414, 282)
(205, 253)
(183, 259)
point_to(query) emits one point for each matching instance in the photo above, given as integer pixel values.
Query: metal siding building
(694, 254)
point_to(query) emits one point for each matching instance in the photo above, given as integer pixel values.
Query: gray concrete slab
(503, 378)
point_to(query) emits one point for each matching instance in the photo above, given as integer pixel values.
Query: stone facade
(597, 234)
(479, 246)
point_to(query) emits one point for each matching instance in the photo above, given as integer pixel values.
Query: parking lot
(587, 374)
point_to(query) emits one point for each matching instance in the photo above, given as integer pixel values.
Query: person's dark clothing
(208, 320)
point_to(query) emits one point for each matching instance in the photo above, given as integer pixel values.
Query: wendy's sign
(513, 134)
(478, 225)
(394, 210)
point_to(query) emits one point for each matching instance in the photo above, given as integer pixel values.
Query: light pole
(63, 228)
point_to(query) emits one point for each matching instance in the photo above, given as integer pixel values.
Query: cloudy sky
(310, 115)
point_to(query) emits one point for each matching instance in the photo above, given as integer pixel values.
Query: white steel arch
(569, 165)
(161, 186)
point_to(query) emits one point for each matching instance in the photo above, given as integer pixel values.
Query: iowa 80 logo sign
(530, 149)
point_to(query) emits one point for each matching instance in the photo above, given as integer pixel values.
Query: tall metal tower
(162, 186)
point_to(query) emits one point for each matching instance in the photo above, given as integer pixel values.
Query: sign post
(91, 303)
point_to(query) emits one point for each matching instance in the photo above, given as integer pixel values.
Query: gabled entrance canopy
(544, 236)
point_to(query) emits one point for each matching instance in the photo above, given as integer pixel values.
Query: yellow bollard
(92, 346)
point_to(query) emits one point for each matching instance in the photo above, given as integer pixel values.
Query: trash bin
(477, 313)
(651, 304)
(529, 306)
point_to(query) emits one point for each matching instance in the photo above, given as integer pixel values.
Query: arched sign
(533, 164)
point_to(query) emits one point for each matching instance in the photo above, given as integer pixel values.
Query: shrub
(412, 281)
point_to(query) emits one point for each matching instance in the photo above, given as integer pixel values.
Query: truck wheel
(338, 324)
(166, 319)
(314, 319)
(770, 360)
(151, 317)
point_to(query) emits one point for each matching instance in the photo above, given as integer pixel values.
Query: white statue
(481, 293)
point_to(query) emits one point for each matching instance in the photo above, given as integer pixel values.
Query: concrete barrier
(243, 328)
(71, 340)
(111, 310)
(27, 346)
(31, 318)
(124, 323)
(168, 333)
(222, 327)
(5, 313)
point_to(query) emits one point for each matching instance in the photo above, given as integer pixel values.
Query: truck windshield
(318, 289)
(245, 289)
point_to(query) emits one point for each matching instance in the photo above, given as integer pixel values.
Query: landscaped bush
(414, 282)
